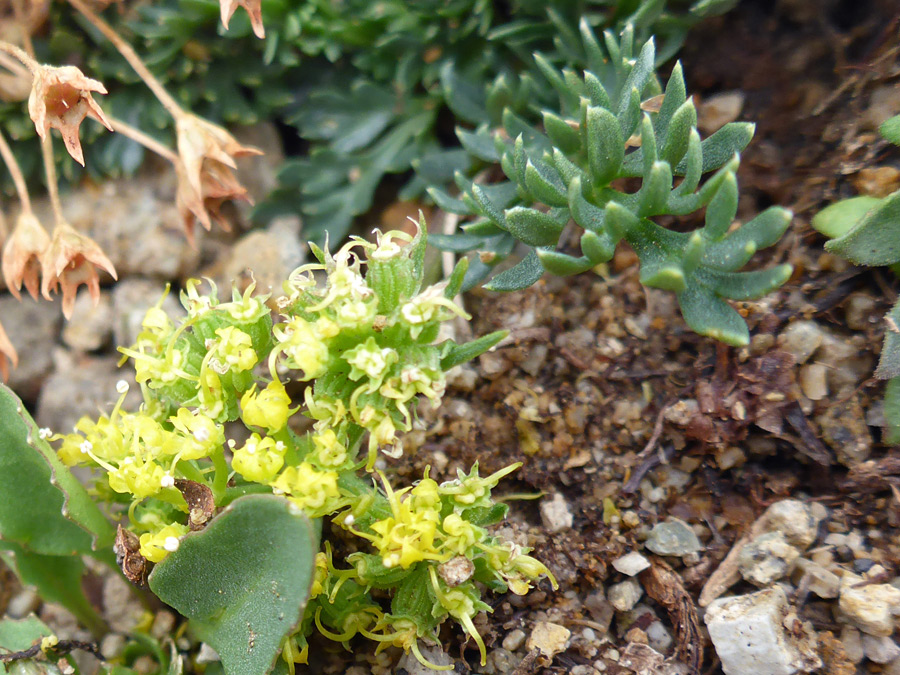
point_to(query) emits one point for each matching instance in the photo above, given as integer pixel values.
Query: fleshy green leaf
(710, 315)
(889, 363)
(244, 580)
(890, 129)
(605, 145)
(839, 218)
(562, 264)
(875, 240)
(60, 518)
(719, 148)
(521, 275)
(533, 227)
(454, 354)
(892, 410)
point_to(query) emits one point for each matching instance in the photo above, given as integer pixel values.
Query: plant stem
(220, 479)
(13, 65)
(52, 184)
(21, 56)
(18, 179)
(133, 59)
(19, 10)
(148, 142)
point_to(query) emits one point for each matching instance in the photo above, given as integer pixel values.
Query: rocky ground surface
(705, 509)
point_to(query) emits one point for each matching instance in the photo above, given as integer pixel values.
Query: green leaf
(17, 635)
(562, 264)
(599, 248)
(60, 518)
(533, 227)
(889, 363)
(678, 133)
(453, 354)
(892, 410)
(545, 185)
(466, 99)
(722, 208)
(605, 145)
(708, 314)
(746, 285)
(521, 275)
(875, 240)
(839, 218)
(244, 580)
(561, 134)
(719, 148)
(736, 249)
(57, 578)
(479, 144)
(890, 129)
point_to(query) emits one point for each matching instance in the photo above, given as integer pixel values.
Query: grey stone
(673, 537)
(871, 608)
(514, 639)
(624, 596)
(801, 339)
(33, 328)
(851, 638)
(631, 564)
(749, 636)
(432, 653)
(23, 603)
(556, 514)
(136, 223)
(766, 559)
(880, 649)
(797, 521)
(845, 430)
(82, 385)
(549, 638)
(659, 636)
(821, 581)
(91, 325)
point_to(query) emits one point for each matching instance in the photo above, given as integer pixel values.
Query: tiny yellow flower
(461, 534)
(316, 492)
(156, 546)
(268, 409)
(328, 450)
(233, 351)
(259, 459)
(202, 436)
(136, 477)
(303, 349)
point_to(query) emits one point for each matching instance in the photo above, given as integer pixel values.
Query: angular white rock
(631, 564)
(749, 635)
(871, 608)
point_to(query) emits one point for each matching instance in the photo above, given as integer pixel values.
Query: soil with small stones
(613, 406)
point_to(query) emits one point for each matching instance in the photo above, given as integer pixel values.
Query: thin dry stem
(148, 142)
(52, 183)
(18, 179)
(13, 65)
(26, 36)
(20, 55)
(133, 59)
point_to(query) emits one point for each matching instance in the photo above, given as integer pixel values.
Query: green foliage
(44, 541)
(365, 343)
(61, 518)
(17, 635)
(244, 580)
(568, 160)
(866, 231)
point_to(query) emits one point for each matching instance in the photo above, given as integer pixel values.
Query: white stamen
(201, 434)
(121, 386)
(86, 447)
(167, 481)
(45, 433)
(171, 544)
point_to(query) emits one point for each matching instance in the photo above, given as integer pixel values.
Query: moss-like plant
(569, 160)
